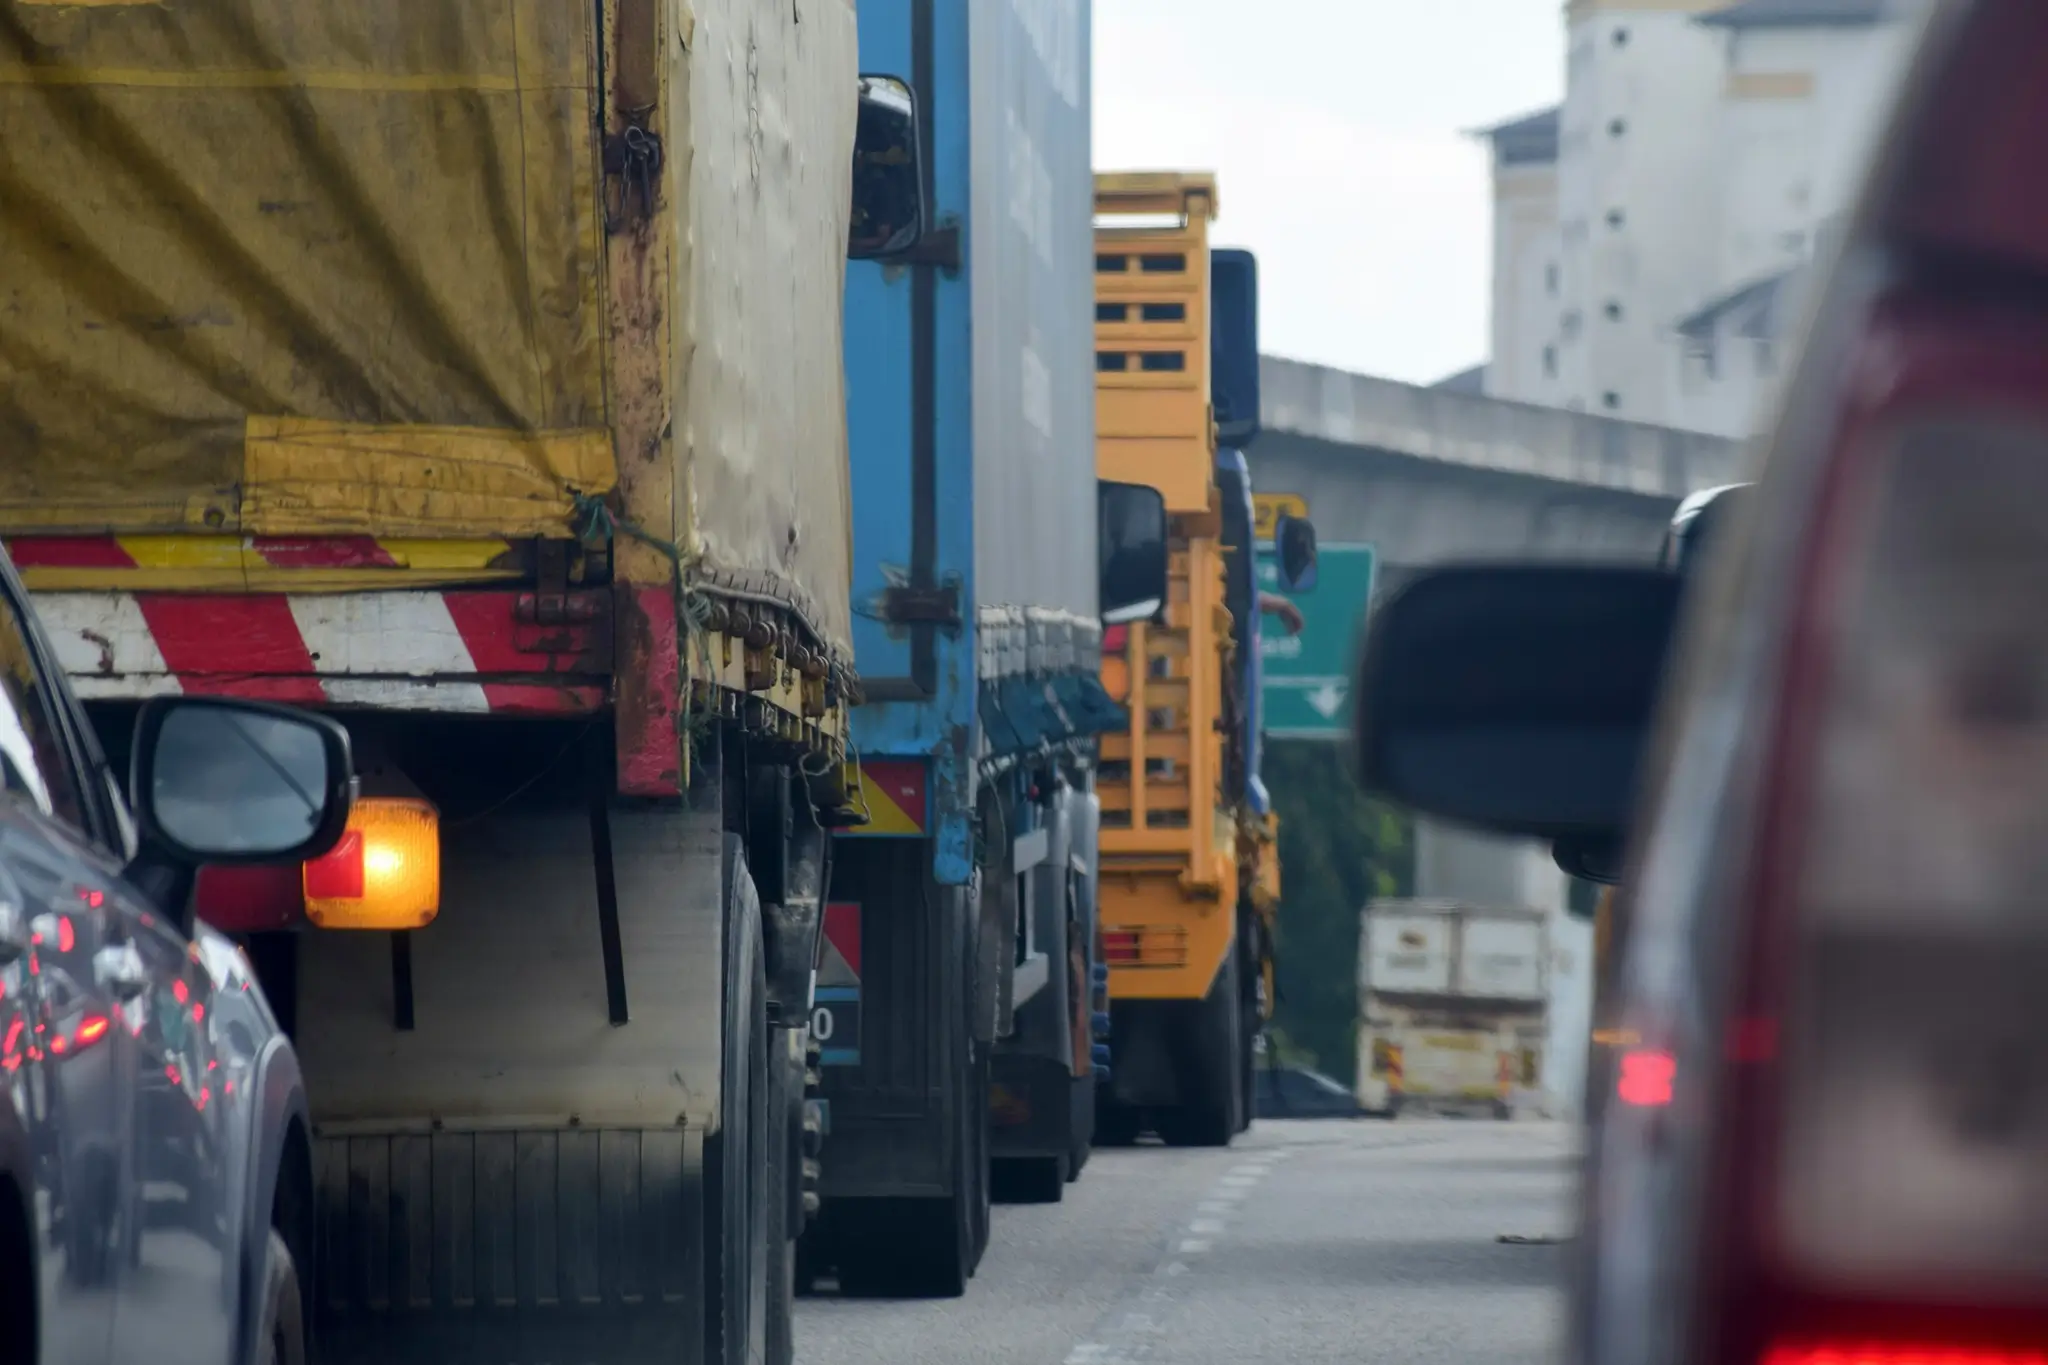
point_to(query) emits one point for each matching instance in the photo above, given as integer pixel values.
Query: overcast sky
(1337, 130)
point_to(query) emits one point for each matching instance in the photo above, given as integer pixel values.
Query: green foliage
(1339, 848)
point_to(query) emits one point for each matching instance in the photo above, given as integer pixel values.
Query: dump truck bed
(338, 298)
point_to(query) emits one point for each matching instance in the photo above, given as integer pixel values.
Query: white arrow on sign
(1328, 699)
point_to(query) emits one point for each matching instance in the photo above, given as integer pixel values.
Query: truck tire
(785, 1189)
(744, 1226)
(1249, 1024)
(1116, 1125)
(281, 1331)
(1031, 1179)
(1211, 1099)
(1084, 1127)
(981, 1196)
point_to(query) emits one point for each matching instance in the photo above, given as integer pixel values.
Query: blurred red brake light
(1648, 1078)
(1902, 1353)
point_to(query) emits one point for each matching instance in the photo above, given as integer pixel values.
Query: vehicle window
(34, 762)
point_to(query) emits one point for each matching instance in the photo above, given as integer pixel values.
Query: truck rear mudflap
(528, 1244)
(891, 1078)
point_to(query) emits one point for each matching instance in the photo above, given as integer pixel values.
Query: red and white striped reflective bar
(412, 651)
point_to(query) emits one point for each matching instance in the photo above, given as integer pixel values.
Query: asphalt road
(1308, 1241)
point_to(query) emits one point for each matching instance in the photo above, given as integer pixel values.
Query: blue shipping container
(971, 401)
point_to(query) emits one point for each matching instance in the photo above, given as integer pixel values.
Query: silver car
(154, 1169)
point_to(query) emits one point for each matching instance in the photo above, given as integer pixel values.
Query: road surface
(1308, 1241)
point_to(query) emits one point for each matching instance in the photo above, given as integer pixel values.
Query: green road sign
(1308, 677)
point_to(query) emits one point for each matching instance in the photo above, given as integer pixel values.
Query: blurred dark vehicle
(154, 1168)
(1825, 1134)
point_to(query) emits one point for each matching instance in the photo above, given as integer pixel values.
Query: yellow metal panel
(1145, 903)
(184, 255)
(1183, 484)
(306, 477)
(1148, 192)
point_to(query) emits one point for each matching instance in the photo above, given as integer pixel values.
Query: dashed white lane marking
(1125, 1336)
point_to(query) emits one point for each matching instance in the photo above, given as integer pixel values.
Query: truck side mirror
(1295, 540)
(888, 172)
(1132, 545)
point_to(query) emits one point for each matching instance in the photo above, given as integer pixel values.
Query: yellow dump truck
(472, 369)
(1189, 866)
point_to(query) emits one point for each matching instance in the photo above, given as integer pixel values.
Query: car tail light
(384, 874)
(1648, 1078)
(1886, 1098)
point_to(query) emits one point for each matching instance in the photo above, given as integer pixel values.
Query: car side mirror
(1131, 542)
(888, 213)
(230, 782)
(1518, 698)
(1294, 541)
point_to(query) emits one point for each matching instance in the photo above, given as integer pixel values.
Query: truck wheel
(281, 1331)
(980, 1195)
(1117, 1125)
(736, 1157)
(785, 1189)
(1032, 1179)
(1211, 1099)
(1084, 1127)
(1250, 981)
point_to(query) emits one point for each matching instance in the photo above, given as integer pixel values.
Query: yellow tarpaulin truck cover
(399, 268)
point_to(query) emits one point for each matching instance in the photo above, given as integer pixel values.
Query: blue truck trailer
(960, 941)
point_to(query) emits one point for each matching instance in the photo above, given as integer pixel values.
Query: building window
(1613, 310)
(1550, 279)
(1621, 37)
(1550, 362)
(1615, 219)
(1616, 127)
(1569, 325)
(1610, 400)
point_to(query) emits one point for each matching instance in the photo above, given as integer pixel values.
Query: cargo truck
(959, 1040)
(1453, 1003)
(474, 371)
(1189, 868)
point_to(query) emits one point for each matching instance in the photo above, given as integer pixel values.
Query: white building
(1650, 234)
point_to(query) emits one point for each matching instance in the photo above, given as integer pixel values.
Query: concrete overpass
(1429, 474)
